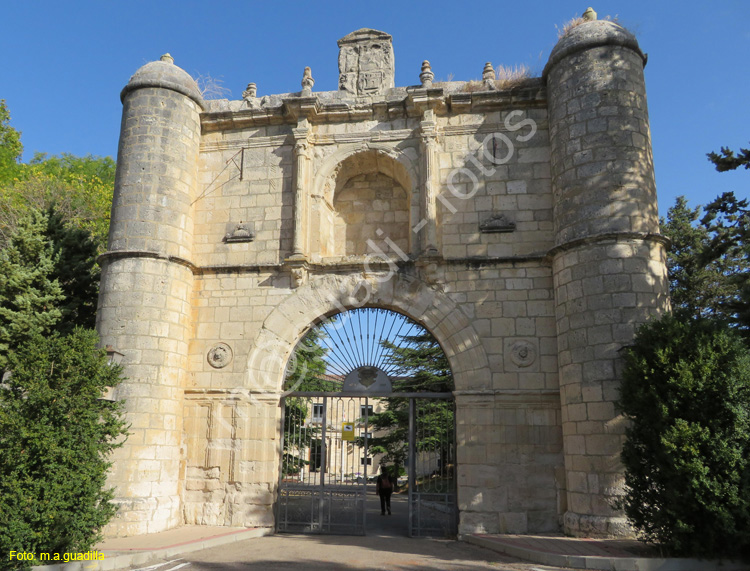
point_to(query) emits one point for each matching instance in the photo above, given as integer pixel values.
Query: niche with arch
(364, 209)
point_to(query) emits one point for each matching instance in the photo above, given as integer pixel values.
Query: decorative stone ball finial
(251, 92)
(426, 77)
(307, 82)
(589, 14)
(488, 74)
(167, 58)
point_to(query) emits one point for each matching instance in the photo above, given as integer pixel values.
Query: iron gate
(431, 465)
(326, 465)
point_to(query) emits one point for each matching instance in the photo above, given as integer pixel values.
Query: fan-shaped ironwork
(350, 349)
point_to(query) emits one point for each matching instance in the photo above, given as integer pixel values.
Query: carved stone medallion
(220, 355)
(523, 354)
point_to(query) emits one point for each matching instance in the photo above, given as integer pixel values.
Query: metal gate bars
(431, 464)
(326, 463)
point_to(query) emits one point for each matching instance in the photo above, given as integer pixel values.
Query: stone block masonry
(518, 225)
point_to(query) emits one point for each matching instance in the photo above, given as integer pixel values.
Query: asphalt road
(385, 547)
(342, 553)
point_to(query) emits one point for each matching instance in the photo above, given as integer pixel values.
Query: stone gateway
(515, 220)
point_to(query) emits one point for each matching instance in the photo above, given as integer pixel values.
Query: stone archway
(334, 293)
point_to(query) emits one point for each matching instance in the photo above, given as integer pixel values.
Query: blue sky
(64, 63)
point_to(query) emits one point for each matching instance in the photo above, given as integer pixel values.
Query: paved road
(343, 553)
(385, 547)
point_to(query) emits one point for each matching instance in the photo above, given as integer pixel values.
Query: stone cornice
(120, 254)
(338, 266)
(609, 237)
(409, 104)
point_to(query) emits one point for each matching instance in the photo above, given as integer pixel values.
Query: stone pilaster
(431, 180)
(301, 183)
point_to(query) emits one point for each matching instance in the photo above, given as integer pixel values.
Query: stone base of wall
(209, 501)
(138, 516)
(596, 526)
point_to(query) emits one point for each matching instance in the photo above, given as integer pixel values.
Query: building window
(368, 461)
(365, 410)
(366, 435)
(317, 415)
(316, 454)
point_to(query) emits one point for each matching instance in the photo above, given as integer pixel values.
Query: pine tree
(76, 271)
(727, 221)
(709, 260)
(686, 393)
(727, 160)
(10, 146)
(55, 436)
(30, 296)
(421, 366)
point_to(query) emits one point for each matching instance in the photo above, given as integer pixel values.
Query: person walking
(384, 488)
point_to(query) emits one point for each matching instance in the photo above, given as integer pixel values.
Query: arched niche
(364, 202)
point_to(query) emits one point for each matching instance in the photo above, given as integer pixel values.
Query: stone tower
(608, 260)
(144, 304)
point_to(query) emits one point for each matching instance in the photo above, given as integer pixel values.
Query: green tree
(727, 220)
(55, 437)
(726, 160)
(709, 261)
(696, 288)
(420, 365)
(306, 371)
(10, 147)
(75, 270)
(30, 296)
(80, 189)
(686, 392)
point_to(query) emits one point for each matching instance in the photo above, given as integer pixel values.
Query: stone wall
(517, 225)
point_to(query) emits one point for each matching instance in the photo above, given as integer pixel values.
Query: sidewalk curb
(605, 563)
(121, 558)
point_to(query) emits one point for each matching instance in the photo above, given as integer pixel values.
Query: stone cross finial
(426, 76)
(167, 58)
(250, 92)
(589, 14)
(307, 83)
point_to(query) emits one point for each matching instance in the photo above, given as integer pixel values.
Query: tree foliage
(55, 437)
(75, 270)
(686, 391)
(726, 160)
(30, 295)
(421, 366)
(709, 262)
(48, 280)
(10, 147)
(306, 371)
(80, 189)
(55, 433)
(727, 220)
